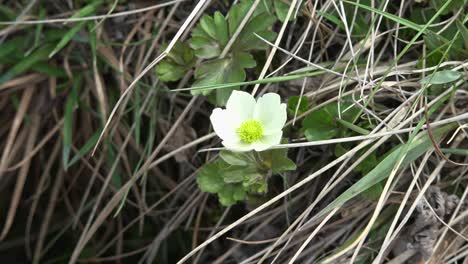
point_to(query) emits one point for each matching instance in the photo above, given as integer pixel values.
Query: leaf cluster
(221, 61)
(236, 175)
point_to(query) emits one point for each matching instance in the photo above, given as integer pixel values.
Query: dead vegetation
(78, 77)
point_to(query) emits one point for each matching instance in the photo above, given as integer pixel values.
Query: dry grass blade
(20, 181)
(111, 150)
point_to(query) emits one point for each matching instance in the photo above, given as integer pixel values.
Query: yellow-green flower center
(250, 131)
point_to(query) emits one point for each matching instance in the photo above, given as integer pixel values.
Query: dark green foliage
(323, 123)
(210, 39)
(180, 60)
(235, 175)
(292, 105)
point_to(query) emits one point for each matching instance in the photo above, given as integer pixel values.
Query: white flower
(247, 124)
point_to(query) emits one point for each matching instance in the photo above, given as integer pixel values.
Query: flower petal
(271, 113)
(241, 104)
(223, 126)
(238, 146)
(268, 141)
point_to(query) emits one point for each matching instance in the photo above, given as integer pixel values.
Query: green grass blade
(87, 147)
(416, 148)
(397, 19)
(67, 131)
(26, 63)
(87, 10)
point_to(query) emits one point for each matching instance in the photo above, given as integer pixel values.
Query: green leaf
(259, 25)
(212, 34)
(222, 71)
(231, 194)
(167, 71)
(234, 158)
(442, 77)
(209, 39)
(234, 175)
(322, 124)
(455, 151)
(236, 15)
(208, 25)
(49, 69)
(177, 63)
(209, 179)
(293, 101)
(277, 160)
(281, 9)
(221, 28)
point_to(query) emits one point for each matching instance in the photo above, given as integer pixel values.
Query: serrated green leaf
(205, 48)
(177, 63)
(222, 71)
(245, 60)
(209, 179)
(319, 125)
(208, 25)
(234, 175)
(221, 28)
(209, 39)
(212, 179)
(281, 164)
(231, 194)
(168, 72)
(281, 9)
(217, 72)
(236, 15)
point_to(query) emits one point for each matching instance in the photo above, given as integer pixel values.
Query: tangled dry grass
(70, 75)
